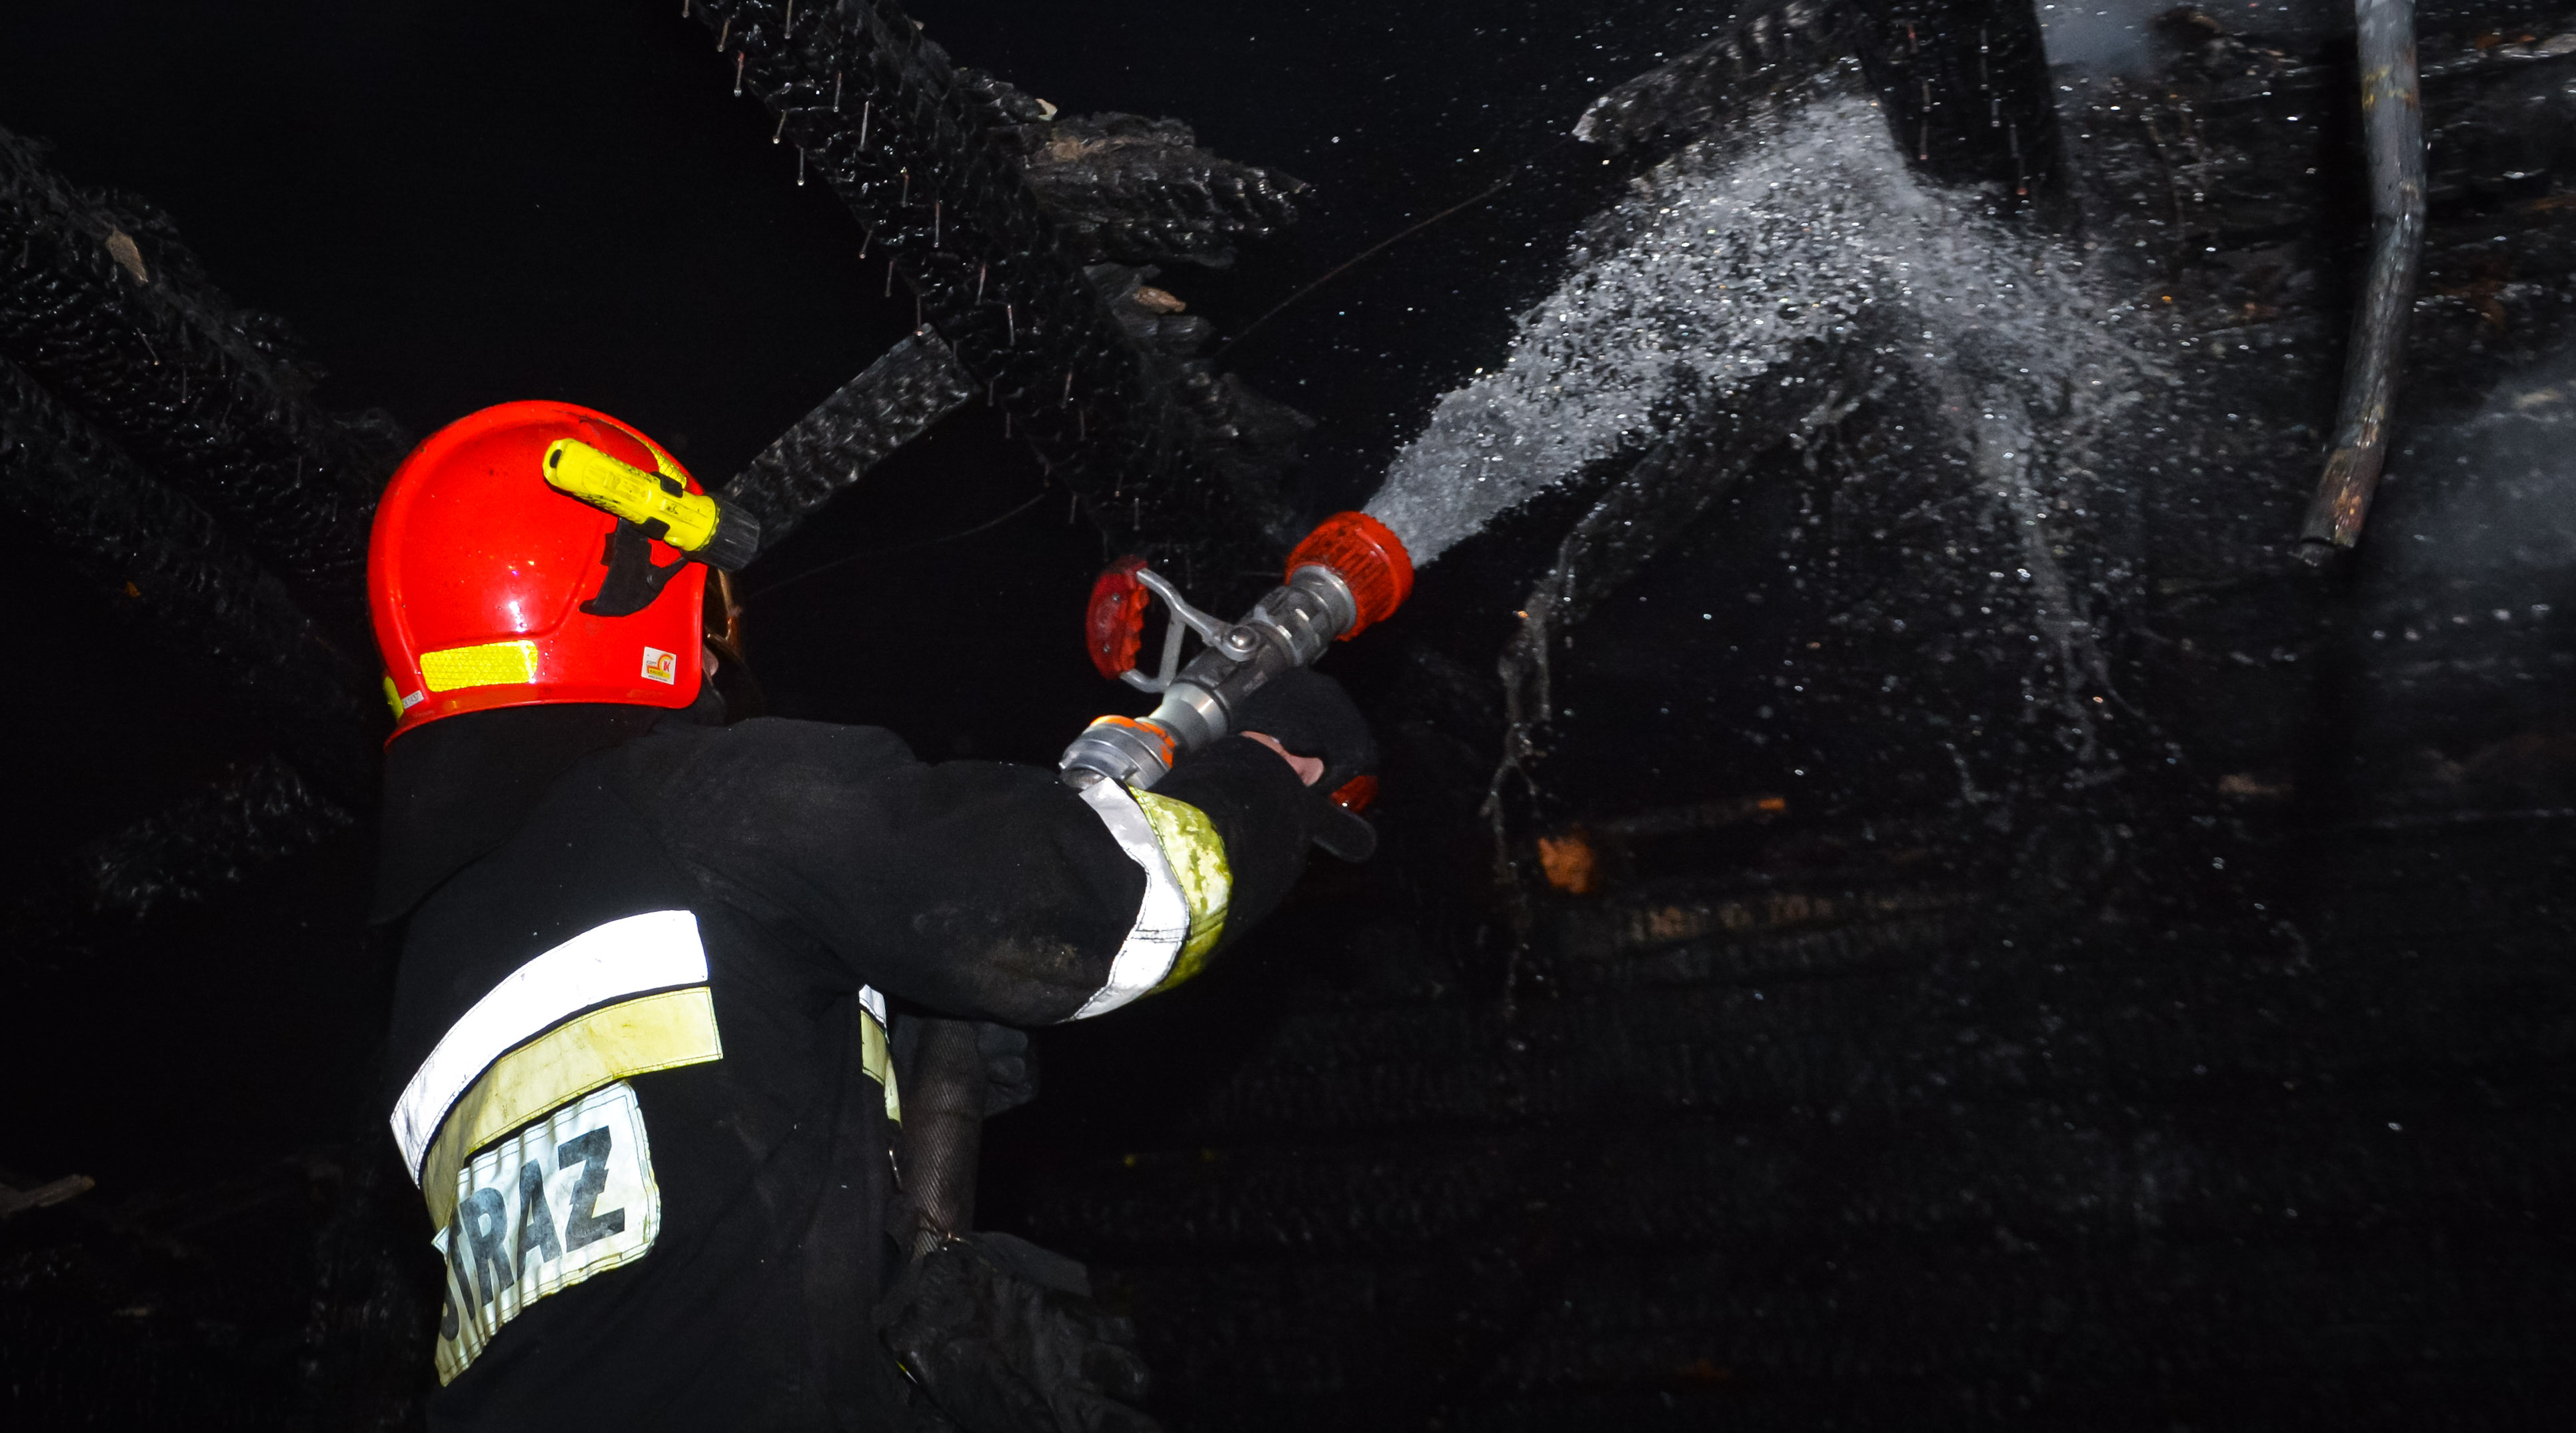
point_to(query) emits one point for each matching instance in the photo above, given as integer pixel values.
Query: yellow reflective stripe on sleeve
(1196, 855)
(876, 1054)
(1162, 923)
(633, 1037)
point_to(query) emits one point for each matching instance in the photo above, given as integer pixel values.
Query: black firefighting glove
(1309, 714)
(1005, 1338)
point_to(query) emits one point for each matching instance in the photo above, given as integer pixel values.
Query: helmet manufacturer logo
(661, 666)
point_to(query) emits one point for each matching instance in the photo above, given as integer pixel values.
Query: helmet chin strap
(722, 661)
(709, 708)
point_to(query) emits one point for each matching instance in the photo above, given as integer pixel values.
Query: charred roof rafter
(932, 162)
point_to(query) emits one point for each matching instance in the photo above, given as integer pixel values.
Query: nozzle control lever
(1349, 574)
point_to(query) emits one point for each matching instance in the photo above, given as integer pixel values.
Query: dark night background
(2232, 1094)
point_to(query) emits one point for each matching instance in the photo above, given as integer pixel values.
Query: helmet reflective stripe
(490, 665)
(624, 957)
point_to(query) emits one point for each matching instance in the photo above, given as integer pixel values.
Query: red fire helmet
(489, 588)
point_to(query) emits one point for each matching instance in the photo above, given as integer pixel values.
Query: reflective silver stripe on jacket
(1162, 918)
(623, 957)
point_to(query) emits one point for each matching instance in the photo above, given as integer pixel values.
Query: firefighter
(639, 1064)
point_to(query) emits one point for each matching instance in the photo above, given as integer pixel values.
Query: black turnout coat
(638, 1050)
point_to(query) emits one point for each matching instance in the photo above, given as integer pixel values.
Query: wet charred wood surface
(1859, 1036)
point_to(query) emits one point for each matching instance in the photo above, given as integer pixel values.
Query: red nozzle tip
(1368, 556)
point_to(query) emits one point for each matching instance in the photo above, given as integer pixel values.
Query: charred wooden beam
(934, 163)
(2392, 121)
(1965, 87)
(209, 607)
(102, 304)
(1757, 63)
(70, 1186)
(891, 402)
(206, 842)
(1132, 190)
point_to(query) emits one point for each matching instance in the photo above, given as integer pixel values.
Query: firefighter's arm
(978, 889)
(1229, 827)
(1224, 835)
